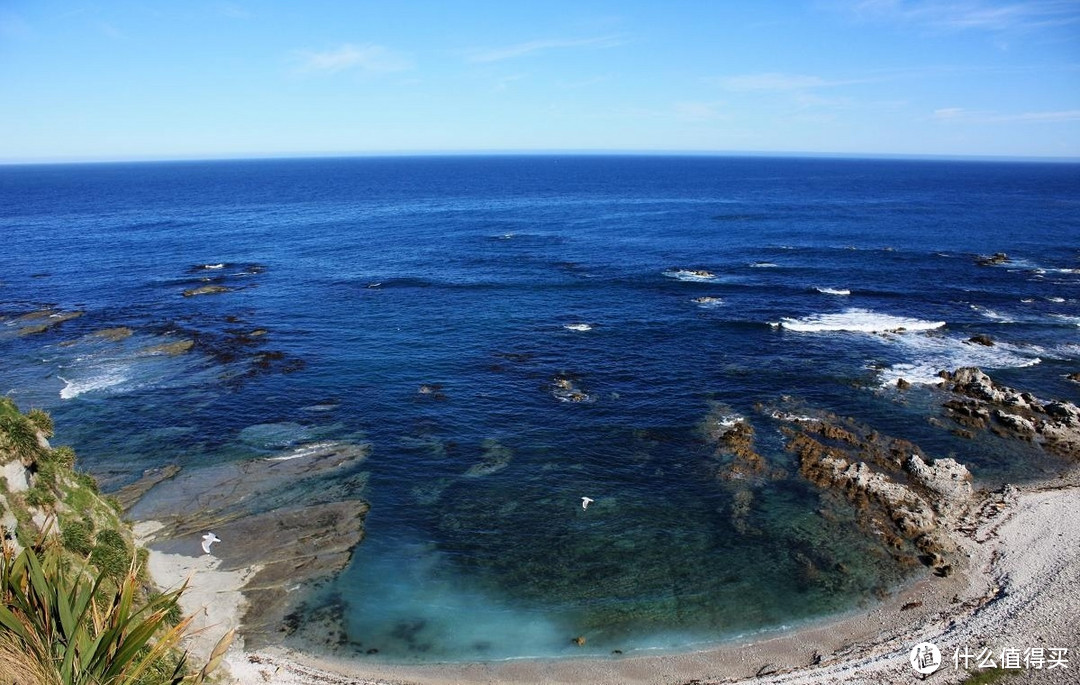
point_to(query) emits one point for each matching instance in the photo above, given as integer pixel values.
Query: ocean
(510, 334)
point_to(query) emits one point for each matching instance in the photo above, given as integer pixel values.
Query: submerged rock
(287, 521)
(170, 349)
(207, 290)
(981, 339)
(44, 320)
(113, 334)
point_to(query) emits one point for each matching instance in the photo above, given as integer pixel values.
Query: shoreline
(1014, 587)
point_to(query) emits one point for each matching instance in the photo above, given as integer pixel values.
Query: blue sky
(130, 79)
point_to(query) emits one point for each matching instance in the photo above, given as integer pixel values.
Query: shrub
(75, 537)
(111, 554)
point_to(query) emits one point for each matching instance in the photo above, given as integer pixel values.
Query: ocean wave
(692, 275)
(100, 381)
(580, 327)
(763, 265)
(857, 321)
(930, 354)
(832, 291)
(1075, 320)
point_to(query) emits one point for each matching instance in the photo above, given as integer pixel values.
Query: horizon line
(568, 152)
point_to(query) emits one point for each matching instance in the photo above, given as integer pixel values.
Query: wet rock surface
(291, 522)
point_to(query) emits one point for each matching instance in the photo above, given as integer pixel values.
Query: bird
(585, 502)
(208, 540)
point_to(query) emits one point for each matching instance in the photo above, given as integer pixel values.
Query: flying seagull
(585, 502)
(208, 540)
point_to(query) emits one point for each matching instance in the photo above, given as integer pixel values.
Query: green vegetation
(53, 617)
(76, 604)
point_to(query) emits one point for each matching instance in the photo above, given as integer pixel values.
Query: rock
(290, 520)
(113, 334)
(981, 340)
(984, 404)
(171, 349)
(130, 494)
(44, 320)
(947, 479)
(992, 260)
(902, 384)
(1074, 377)
(495, 458)
(1015, 423)
(579, 640)
(17, 476)
(206, 290)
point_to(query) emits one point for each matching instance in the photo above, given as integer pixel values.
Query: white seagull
(585, 502)
(208, 540)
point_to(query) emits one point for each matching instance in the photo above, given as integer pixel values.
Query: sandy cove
(1015, 586)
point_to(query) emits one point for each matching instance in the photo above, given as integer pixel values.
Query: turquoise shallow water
(445, 311)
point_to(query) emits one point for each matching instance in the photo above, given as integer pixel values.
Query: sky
(141, 79)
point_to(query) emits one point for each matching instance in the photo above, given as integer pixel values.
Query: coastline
(1014, 587)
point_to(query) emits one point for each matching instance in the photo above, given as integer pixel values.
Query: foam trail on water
(930, 354)
(857, 321)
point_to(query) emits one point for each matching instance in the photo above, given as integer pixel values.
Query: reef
(289, 523)
(979, 403)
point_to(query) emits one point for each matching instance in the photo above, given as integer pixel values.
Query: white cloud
(520, 49)
(961, 115)
(367, 57)
(960, 15)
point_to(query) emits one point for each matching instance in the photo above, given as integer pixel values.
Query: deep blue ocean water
(432, 306)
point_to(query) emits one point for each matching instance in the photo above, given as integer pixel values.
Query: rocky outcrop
(901, 495)
(992, 260)
(982, 404)
(290, 522)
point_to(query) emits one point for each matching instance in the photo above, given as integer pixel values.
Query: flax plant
(77, 632)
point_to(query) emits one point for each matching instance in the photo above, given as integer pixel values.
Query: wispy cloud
(772, 81)
(967, 116)
(367, 57)
(986, 15)
(533, 46)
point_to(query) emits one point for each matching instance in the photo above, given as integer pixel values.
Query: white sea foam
(991, 314)
(213, 266)
(763, 265)
(930, 354)
(692, 275)
(580, 327)
(301, 452)
(728, 420)
(833, 291)
(99, 381)
(858, 321)
(1075, 320)
(1055, 300)
(708, 301)
(793, 418)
